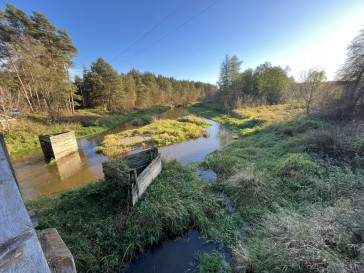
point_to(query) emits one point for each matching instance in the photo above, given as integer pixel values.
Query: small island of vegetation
(158, 133)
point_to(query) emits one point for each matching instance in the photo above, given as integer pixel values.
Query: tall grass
(103, 236)
(320, 240)
(295, 181)
(158, 133)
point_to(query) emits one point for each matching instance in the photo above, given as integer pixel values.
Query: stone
(58, 256)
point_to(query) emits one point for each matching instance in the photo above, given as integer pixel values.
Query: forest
(35, 62)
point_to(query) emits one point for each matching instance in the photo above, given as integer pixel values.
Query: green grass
(84, 122)
(247, 120)
(94, 224)
(158, 133)
(213, 263)
(296, 181)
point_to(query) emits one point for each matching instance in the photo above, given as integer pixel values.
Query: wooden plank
(20, 250)
(145, 179)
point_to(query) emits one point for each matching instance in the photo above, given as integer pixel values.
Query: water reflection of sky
(196, 150)
(35, 178)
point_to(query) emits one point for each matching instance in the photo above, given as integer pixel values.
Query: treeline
(102, 86)
(34, 76)
(266, 84)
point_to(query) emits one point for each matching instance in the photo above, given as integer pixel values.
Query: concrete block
(58, 256)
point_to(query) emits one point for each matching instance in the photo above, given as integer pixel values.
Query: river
(36, 178)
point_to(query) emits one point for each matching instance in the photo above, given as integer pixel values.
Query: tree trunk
(22, 84)
(72, 104)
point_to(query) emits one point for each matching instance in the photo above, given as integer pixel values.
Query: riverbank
(94, 224)
(24, 136)
(158, 133)
(298, 182)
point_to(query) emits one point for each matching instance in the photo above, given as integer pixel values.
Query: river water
(36, 178)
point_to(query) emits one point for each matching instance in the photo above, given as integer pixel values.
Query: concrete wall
(20, 250)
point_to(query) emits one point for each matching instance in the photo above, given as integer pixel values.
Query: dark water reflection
(36, 178)
(177, 255)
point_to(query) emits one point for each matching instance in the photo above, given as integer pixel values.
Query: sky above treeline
(188, 39)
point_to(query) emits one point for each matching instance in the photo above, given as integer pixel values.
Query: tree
(308, 89)
(7, 100)
(130, 90)
(271, 83)
(38, 56)
(105, 86)
(92, 84)
(352, 75)
(229, 79)
(78, 81)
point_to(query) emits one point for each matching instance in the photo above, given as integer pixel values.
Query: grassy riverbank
(88, 122)
(158, 133)
(297, 182)
(95, 226)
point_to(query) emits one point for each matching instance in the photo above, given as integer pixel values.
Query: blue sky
(193, 40)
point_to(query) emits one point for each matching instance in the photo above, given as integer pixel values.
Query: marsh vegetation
(85, 123)
(159, 133)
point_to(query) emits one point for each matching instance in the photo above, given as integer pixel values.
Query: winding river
(36, 178)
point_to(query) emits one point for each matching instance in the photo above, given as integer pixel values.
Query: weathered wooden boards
(20, 250)
(145, 179)
(136, 170)
(59, 258)
(58, 145)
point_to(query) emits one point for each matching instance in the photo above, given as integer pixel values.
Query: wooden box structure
(58, 145)
(136, 170)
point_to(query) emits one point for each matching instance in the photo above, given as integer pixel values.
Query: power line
(174, 30)
(173, 12)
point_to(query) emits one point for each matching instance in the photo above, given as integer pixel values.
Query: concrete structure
(59, 258)
(20, 250)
